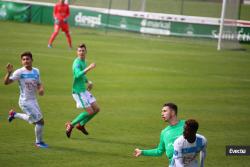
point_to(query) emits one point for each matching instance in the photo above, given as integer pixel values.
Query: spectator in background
(61, 14)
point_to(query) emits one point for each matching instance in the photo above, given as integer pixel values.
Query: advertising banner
(141, 22)
(14, 11)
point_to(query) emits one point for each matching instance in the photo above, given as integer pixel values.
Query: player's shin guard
(80, 118)
(87, 119)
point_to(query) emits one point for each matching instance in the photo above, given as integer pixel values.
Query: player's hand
(57, 21)
(9, 68)
(40, 90)
(92, 65)
(89, 86)
(65, 20)
(137, 152)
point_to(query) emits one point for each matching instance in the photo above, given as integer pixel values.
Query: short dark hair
(82, 46)
(172, 106)
(27, 53)
(193, 125)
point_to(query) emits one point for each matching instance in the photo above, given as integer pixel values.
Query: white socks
(24, 117)
(38, 132)
(38, 127)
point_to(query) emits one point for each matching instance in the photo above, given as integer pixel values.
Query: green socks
(80, 117)
(87, 119)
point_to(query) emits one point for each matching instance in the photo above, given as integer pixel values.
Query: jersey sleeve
(39, 77)
(157, 151)
(78, 72)
(16, 75)
(204, 143)
(85, 78)
(203, 152)
(67, 12)
(55, 11)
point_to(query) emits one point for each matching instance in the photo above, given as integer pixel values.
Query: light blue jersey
(28, 81)
(185, 153)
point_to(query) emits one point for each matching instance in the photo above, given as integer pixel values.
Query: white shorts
(83, 99)
(32, 109)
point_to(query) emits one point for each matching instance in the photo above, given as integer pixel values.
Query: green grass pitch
(135, 75)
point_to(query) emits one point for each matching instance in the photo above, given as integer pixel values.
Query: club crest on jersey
(78, 66)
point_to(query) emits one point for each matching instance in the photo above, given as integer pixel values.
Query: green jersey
(79, 78)
(167, 138)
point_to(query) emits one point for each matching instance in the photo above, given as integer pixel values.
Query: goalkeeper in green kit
(168, 135)
(81, 94)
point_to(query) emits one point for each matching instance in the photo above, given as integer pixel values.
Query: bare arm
(90, 67)
(40, 89)
(89, 85)
(7, 79)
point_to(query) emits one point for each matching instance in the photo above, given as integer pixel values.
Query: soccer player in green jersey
(84, 99)
(168, 135)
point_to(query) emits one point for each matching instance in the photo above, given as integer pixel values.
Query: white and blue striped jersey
(28, 82)
(186, 154)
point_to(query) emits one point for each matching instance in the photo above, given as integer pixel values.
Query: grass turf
(190, 7)
(135, 75)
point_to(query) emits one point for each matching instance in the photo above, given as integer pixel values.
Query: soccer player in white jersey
(188, 146)
(29, 81)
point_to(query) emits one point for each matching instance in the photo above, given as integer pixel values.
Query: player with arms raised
(29, 81)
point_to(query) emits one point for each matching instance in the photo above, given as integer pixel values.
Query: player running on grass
(168, 135)
(84, 99)
(29, 81)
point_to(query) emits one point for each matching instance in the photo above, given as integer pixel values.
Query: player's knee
(41, 122)
(90, 110)
(97, 109)
(56, 32)
(67, 33)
